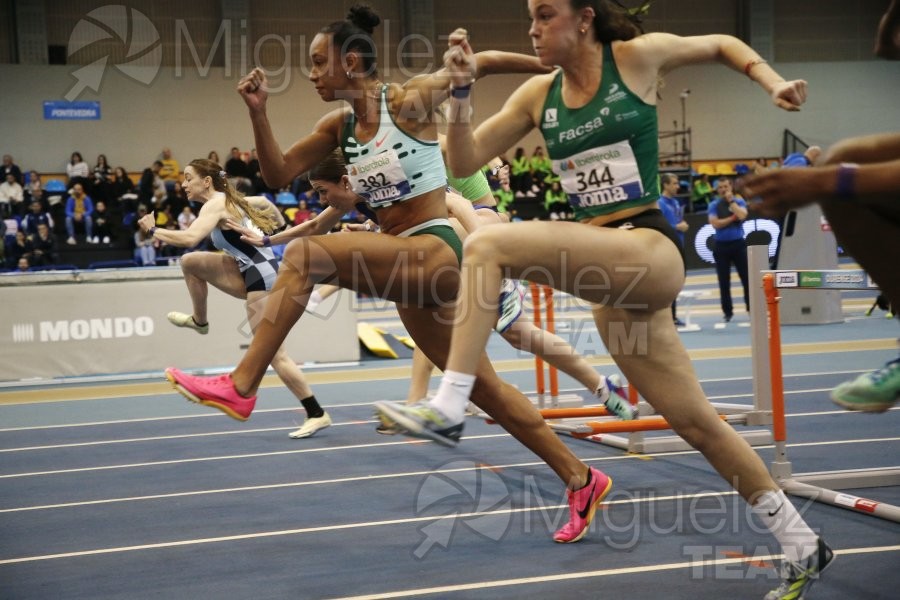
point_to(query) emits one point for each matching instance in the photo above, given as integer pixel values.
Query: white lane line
(358, 404)
(235, 456)
(599, 573)
(335, 527)
(274, 486)
(172, 437)
(179, 436)
(204, 415)
(348, 447)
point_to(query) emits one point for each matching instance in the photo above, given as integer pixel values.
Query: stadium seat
(724, 169)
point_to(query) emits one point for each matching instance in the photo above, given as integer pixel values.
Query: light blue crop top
(393, 166)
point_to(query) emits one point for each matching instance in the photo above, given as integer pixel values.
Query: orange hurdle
(645, 424)
(536, 292)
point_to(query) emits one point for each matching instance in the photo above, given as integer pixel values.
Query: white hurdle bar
(812, 485)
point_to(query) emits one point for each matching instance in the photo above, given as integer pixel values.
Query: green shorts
(446, 233)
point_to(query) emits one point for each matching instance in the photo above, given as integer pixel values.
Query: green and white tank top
(393, 166)
(606, 152)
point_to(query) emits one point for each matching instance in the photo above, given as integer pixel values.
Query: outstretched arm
(468, 150)
(279, 168)
(208, 219)
(432, 89)
(318, 225)
(665, 52)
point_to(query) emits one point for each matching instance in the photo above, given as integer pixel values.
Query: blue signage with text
(61, 109)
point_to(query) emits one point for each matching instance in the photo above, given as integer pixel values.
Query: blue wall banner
(61, 109)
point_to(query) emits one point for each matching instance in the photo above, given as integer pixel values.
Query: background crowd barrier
(114, 322)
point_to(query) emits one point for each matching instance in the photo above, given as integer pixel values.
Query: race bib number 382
(600, 176)
(379, 179)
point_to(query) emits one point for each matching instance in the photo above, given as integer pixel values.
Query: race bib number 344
(379, 179)
(600, 176)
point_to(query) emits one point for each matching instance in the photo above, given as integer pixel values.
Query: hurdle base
(637, 443)
(852, 478)
(864, 506)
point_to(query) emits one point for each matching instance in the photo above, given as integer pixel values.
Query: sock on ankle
(313, 409)
(780, 517)
(453, 395)
(602, 391)
(314, 300)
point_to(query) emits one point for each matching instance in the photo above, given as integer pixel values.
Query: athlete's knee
(514, 338)
(190, 262)
(481, 246)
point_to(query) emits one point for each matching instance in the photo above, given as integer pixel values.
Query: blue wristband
(267, 241)
(846, 181)
(461, 92)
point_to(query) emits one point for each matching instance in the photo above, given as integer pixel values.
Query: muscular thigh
(637, 268)
(420, 270)
(217, 269)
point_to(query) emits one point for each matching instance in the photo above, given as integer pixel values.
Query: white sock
(453, 395)
(314, 300)
(602, 391)
(780, 517)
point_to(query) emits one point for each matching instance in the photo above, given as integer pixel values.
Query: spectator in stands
(238, 171)
(726, 214)
(10, 167)
(520, 174)
(186, 217)
(144, 248)
(674, 212)
(104, 224)
(701, 191)
(79, 208)
(100, 189)
(23, 264)
(122, 190)
(255, 172)
(38, 215)
(169, 170)
(78, 171)
(20, 247)
(34, 189)
(541, 167)
(12, 197)
(503, 193)
(152, 189)
(214, 156)
(760, 165)
(303, 213)
(556, 201)
(44, 245)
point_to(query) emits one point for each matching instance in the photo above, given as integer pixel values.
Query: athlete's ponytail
(612, 20)
(354, 34)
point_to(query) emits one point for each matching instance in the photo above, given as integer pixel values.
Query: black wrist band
(152, 231)
(846, 181)
(267, 241)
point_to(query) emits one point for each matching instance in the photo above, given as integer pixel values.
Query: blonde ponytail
(235, 202)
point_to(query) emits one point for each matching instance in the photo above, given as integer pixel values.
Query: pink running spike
(217, 392)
